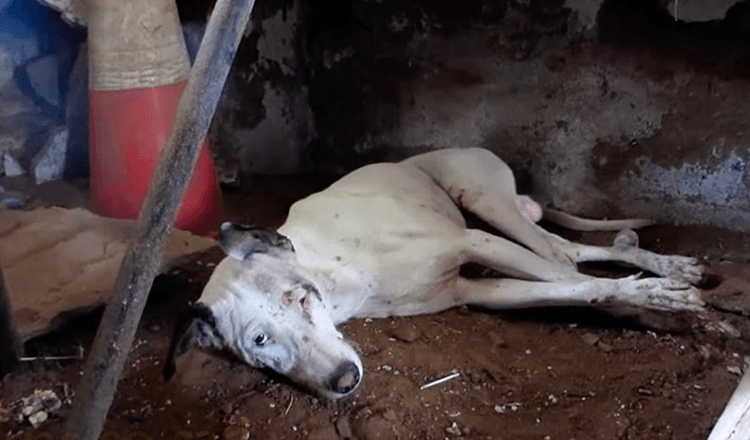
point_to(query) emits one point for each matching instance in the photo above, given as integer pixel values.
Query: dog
(389, 240)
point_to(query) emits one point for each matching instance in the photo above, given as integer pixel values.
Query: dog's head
(267, 309)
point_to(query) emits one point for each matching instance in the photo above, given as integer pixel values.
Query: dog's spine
(10, 343)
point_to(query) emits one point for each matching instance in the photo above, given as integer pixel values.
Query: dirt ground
(539, 374)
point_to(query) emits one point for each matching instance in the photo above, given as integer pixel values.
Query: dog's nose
(345, 378)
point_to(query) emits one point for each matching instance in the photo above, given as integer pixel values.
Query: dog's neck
(344, 289)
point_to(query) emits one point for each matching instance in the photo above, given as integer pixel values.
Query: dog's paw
(680, 268)
(665, 294)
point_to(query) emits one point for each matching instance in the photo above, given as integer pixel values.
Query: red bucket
(136, 77)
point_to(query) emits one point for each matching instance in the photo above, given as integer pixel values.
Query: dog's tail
(10, 343)
(583, 224)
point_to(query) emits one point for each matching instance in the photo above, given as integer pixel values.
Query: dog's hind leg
(513, 260)
(659, 294)
(625, 250)
(478, 181)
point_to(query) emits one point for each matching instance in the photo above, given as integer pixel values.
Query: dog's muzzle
(344, 379)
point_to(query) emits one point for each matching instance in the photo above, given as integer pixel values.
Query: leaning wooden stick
(141, 262)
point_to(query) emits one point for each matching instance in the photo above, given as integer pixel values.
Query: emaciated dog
(388, 240)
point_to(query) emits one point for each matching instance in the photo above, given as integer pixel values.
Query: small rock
(38, 418)
(735, 370)
(49, 163)
(154, 328)
(453, 429)
(235, 433)
(502, 409)
(497, 339)
(40, 400)
(343, 428)
(590, 338)
(405, 333)
(603, 346)
(390, 415)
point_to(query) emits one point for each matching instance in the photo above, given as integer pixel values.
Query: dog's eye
(260, 340)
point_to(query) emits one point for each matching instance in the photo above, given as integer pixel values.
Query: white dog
(388, 240)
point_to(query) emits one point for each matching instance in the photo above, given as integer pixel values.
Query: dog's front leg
(657, 294)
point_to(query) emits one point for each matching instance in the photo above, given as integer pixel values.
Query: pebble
(38, 418)
(40, 400)
(390, 415)
(405, 333)
(453, 429)
(590, 338)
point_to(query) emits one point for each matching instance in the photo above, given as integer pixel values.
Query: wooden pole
(104, 365)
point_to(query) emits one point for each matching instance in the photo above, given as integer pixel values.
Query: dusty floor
(542, 374)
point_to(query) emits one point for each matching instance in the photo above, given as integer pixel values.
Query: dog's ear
(10, 343)
(240, 241)
(195, 326)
